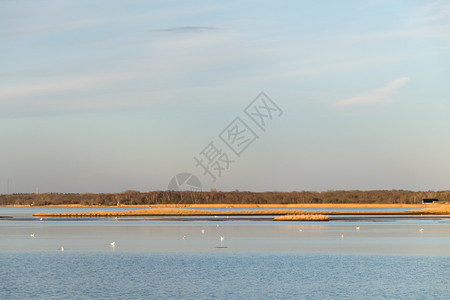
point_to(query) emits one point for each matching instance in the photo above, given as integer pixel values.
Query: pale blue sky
(106, 96)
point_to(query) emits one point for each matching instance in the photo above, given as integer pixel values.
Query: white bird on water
(300, 230)
(421, 229)
(203, 231)
(357, 228)
(62, 249)
(113, 244)
(221, 240)
(32, 235)
(342, 236)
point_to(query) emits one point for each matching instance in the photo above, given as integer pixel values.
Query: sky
(108, 96)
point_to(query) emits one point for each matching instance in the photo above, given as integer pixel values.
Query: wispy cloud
(421, 32)
(432, 20)
(436, 11)
(70, 85)
(16, 29)
(187, 29)
(376, 95)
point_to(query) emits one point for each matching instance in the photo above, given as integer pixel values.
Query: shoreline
(233, 205)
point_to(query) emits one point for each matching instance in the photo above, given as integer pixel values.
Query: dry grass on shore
(224, 205)
(359, 205)
(309, 218)
(441, 210)
(299, 205)
(200, 212)
(175, 212)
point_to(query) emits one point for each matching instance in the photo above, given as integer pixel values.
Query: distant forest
(216, 197)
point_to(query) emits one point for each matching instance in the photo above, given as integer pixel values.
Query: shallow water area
(368, 257)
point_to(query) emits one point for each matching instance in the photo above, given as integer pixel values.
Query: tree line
(217, 197)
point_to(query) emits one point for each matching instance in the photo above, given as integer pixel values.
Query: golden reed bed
(442, 210)
(176, 212)
(200, 212)
(310, 218)
(360, 205)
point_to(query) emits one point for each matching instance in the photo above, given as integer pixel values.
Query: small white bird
(357, 228)
(300, 230)
(217, 225)
(222, 238)
(32, 235)
(342, 236)
(421, 229)
(113, 244)
(203, 231)
(62, 249)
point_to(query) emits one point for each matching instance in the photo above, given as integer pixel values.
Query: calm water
(136, 275)
(386, 258)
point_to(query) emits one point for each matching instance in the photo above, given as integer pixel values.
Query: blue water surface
(223, 258)
(116, 275)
